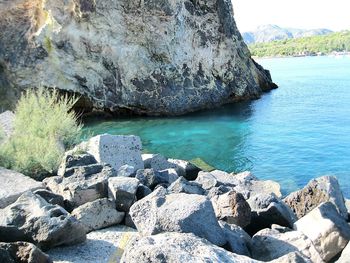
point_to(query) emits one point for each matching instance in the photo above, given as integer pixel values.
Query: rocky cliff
(138, 56)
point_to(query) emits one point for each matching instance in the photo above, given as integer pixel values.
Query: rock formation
(160, 57)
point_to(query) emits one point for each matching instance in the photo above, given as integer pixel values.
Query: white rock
(178, 247)
(345, 255)
(98, 214)
(102, 246)
(270, 244)
(116, 150)
(6, 122)
(326, 228)
(13, 185)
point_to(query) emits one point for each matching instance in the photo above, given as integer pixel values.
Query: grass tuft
(44, 128)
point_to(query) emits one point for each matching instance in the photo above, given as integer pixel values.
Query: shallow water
(292, 134)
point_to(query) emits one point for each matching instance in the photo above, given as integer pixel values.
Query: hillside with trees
(306, 46)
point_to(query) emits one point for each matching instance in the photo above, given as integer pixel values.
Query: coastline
(332, 54)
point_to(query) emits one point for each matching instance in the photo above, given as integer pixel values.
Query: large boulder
(232, 208)
(98, 214)
(178, 247)
(317, 191)
(22, 252)
(268, 210)
(109, 54)
(270, 244)
(32, 219)
(122, 191)
(50, 197)
(326, 228)
(345, 255)
(152, 178)
(116, 150)
(238, 241)
(101, 246)
(13, 185)
(71, 161)
(83, 184)
(156, 161)
(186, 213)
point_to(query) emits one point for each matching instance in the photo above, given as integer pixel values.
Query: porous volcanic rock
(145, 57)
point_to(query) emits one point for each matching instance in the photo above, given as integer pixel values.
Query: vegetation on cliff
(326, 44)
(44, 128)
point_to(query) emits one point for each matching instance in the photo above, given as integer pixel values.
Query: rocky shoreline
(111, 203)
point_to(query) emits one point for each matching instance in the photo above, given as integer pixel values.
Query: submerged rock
(110, 54)
(317, 191)
(186, 213)
(22, 252)
(32, 219)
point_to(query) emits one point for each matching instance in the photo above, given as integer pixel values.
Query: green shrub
(44, 128)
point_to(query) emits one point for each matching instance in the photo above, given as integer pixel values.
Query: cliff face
(143, 56)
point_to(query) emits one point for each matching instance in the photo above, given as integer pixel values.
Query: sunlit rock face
(155, 57)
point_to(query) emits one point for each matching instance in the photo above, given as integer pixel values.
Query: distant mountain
(268, 33)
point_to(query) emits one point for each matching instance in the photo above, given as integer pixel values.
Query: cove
(290, 135)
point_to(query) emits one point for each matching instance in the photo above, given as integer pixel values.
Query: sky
(305, 14)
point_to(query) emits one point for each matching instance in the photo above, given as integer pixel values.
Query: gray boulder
(122, 191)
(181, 185)
(156, 162)
(126, 171)
(186, 213)
(250, 188)
(13, 185)
(116, 150)
(238, 241)
(185, 168)
(50, 197)
(268, 210)
(345, 255)
(86, 184)
(232, 208)
(32, 219)
(101, 246)
(326, 228)
(22, 252)
(98, 214)
(317, 191)
(206, 180)
(178, 247)
(71, 160)
(270, 244)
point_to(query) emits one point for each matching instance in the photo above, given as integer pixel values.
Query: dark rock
(142, 191)
(73, 161)
(152, 178)
(268, 210)
(185, 169)
(22, 252)
(34, 220)
(50, 197)
(122, 190)
(85, 184)
(317, 191)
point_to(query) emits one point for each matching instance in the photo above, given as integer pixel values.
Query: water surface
(292, 134)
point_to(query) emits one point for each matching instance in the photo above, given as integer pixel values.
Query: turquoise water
(292, 134)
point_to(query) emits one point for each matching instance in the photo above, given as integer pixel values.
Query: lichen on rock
(145, 57)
